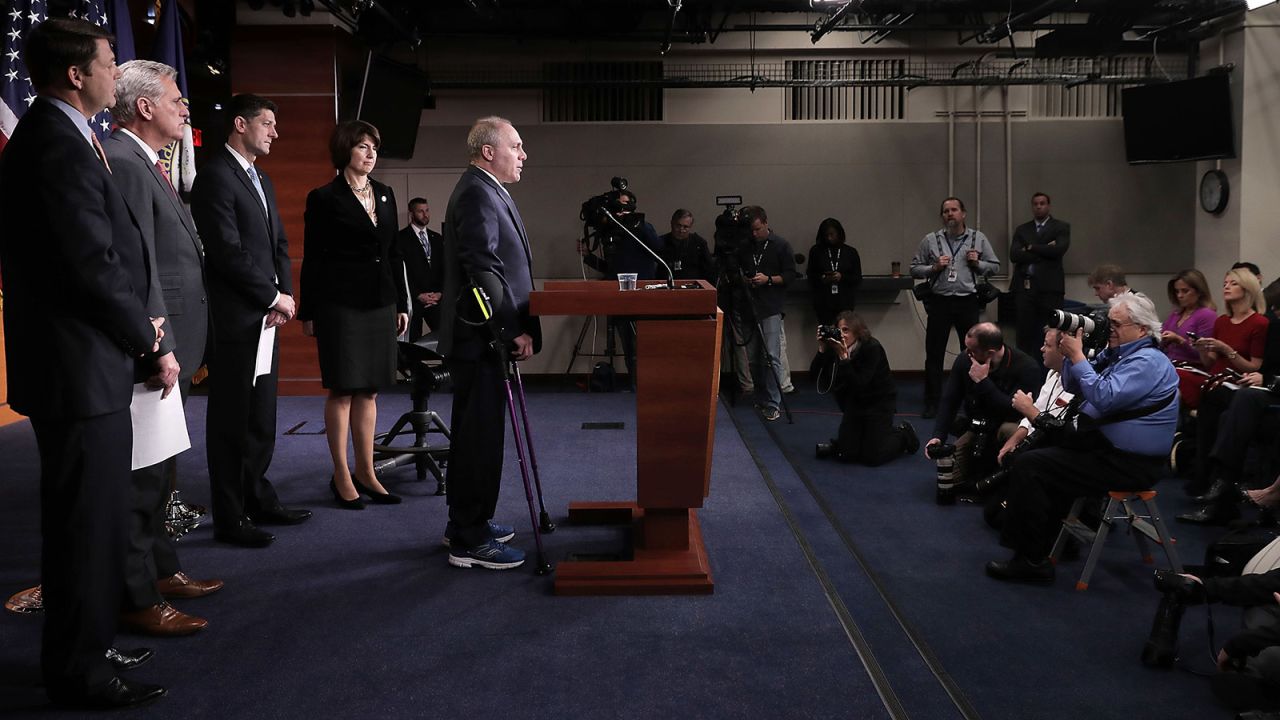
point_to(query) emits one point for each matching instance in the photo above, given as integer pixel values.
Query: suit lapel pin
(383, 198)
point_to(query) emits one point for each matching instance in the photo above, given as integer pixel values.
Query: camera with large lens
(595, 212)
(1161, 649)
(943, 456)
(1094, 324)
(830, 332)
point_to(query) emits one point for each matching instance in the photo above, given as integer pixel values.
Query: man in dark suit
(249, 278)
(150, 114)
(485, 245)
(423, 252)
(1037, 283)
(76, 280)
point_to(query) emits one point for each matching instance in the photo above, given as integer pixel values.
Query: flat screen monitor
(1179, 121)
(391, 99)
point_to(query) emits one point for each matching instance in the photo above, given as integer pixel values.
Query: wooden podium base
(669, 557)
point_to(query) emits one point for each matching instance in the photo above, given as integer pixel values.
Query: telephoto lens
(1162, 646)
(943, 455)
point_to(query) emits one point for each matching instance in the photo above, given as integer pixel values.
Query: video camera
(596, 208)
(1095, 324)
(733, 230)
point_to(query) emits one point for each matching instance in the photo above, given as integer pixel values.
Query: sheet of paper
(159, 426)
(266, 348)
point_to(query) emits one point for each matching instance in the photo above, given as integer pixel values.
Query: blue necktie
(257, 185)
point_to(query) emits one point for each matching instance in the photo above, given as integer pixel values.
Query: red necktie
(165, 175)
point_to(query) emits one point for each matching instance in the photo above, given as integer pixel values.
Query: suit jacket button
(377, 259)
(204, 300)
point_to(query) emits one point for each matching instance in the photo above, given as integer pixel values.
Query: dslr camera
(830, 332)
(1095, 324)
(1161, 649)
(943, 456)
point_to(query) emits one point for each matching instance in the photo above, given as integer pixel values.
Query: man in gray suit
(150, 113)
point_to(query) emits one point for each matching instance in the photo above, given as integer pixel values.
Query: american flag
(178, 157)
(16, 92)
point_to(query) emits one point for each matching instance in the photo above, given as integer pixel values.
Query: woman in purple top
(1193, 312)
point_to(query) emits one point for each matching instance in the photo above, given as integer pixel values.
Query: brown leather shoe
(162, 620)
(180, 585)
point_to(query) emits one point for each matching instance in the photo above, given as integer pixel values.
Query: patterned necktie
(426, 244)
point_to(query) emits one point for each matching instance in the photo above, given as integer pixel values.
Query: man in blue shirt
(1121, 441)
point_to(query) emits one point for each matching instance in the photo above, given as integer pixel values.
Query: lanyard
(835, 262)
(760, 256)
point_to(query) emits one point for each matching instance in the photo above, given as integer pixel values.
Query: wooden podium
(678, 369)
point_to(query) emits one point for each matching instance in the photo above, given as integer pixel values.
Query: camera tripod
(421, 420)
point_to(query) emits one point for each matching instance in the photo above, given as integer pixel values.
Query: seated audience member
(1108, 281)
(1121, 440)
(835, 272)
(1248, 680)
(983, 380)
(686, 251)
(1229, 422)
(1192, 318)
(1240, 334)
(1052, 399)
(1257, 272)
(856, 370)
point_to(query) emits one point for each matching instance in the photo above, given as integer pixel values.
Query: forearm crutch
(509, 370)
(544, 519)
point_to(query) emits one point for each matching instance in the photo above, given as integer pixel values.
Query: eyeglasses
(1115, 324)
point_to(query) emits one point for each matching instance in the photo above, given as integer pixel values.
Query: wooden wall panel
(293, 66)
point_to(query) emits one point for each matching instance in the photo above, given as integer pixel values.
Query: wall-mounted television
(1179, 121)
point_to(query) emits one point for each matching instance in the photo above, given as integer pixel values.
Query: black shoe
(115, 695)
(280, 515)
(823, 450)
(1258, 715)
(128, 659)
(930, 411)
(244, 534)
(353, 504)
(1020, 569)
(378, 498)
(1218, 513)
(1217, 491)
(909, 434)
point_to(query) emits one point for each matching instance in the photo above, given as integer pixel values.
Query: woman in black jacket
(835, 272)
(354, 302)
(855, 369)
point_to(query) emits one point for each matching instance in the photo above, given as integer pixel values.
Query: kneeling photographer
(852, 366)
(1121, 441)
(1249, 661)
(983, 380)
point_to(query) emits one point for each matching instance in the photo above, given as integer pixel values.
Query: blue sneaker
(501, 533)
(492, 555)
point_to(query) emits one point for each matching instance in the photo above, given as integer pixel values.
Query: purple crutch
(544, 520)
(510, 370)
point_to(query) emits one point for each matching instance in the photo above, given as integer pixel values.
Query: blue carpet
(356, 614)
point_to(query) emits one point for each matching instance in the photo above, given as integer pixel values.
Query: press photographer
(852, 366)
(612, 250)
(1121, 442)
(983, 381)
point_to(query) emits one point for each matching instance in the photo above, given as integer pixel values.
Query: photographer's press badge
(951, 276)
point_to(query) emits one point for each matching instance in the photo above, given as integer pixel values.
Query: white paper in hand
(159, 426)
(266, 349)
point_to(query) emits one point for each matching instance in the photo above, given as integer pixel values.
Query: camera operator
(1053, 398)
(1121, 442)
(768, 266)
(854, 365)
(983, 379)
(1249, 661)
(621, 254)
(685, 250)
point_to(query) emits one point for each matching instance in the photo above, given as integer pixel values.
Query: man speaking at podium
(485, 245)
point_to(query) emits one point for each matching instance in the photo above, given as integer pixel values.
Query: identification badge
(835, 289)
(951, 276)
(1026, 284)
(676, 265)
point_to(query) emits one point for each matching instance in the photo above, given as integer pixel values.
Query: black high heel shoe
(355, 504)
(383, 498)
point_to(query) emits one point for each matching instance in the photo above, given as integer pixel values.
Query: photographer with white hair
(1121, 439)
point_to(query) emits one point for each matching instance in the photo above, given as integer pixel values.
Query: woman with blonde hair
(1240, 334)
